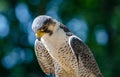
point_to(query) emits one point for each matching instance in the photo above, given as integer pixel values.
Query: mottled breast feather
(43, 57)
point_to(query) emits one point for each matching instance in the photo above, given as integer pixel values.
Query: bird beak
(39, 34)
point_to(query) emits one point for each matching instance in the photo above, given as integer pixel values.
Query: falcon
(60, 52)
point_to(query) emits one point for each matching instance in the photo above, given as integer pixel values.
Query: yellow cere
(39, 34)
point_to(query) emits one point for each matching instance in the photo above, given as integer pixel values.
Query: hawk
(60, 52)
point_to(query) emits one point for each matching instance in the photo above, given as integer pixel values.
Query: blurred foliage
(97, 22)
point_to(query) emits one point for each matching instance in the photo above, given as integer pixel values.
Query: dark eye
(43, 28)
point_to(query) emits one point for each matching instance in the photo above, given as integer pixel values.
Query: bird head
(44, 25)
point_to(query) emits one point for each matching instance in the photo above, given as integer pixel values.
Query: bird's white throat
(55, 40)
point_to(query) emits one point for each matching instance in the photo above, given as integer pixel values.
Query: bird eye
(43, 28)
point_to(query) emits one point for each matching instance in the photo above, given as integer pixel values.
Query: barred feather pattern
(47, 63)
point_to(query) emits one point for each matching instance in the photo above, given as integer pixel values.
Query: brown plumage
(60, 52)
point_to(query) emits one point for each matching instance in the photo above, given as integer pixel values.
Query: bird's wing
(84, 55)
(44, 59)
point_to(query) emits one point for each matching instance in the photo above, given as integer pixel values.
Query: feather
(43, 57)
(84, 56)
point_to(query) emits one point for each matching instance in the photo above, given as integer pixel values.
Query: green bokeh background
(17, 57)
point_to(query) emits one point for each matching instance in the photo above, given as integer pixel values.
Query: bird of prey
(60, 52)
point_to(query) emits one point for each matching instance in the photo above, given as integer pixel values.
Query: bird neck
(55, 40)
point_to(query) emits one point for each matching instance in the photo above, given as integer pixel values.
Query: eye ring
(43, 28)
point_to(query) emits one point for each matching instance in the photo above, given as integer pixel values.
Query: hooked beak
(39, 34)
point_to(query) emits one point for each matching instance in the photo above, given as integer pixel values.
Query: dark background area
(96, 22)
